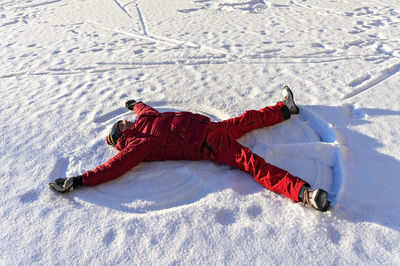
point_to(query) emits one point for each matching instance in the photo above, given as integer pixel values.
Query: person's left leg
(225, 149)
(252, 119)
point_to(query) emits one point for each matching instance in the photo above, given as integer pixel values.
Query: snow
(68, 66)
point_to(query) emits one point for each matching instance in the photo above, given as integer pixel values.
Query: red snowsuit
(159, 136)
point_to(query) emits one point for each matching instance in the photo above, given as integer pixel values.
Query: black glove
(130, 103)
(65, 185)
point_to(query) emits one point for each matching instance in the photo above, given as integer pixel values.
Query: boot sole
(291, 95)
(321, 200)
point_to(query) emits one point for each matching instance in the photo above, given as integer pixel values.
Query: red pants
(221, 146)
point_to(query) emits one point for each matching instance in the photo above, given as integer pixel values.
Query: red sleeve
(121, 163)
(141, 108)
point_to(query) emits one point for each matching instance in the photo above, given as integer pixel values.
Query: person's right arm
(121, 163)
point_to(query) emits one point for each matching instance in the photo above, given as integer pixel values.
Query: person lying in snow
(159, 136)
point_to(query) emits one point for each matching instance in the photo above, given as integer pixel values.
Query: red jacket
(155, 136)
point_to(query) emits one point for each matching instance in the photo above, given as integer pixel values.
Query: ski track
(141, 19)
(212, 60)
(222, 58)
(123, 9)
(139, 13)
(159, 39)
(385, 74)
(23, 7)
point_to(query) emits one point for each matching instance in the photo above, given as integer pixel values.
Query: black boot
(288, 100)
(318, 198)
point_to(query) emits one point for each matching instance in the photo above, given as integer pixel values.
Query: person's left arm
(140, 108)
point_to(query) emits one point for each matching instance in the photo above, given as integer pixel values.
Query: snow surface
(68, 66)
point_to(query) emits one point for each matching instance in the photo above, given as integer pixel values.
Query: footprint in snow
(225, 216)
(109, 237)
(29, 196)
(254, 211)
(351, 112)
